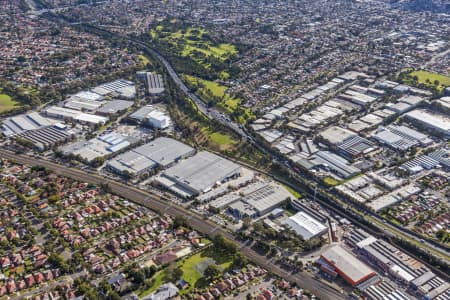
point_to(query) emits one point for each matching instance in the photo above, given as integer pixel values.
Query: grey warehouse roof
(161, 151)
(202, 171)
(305, 225)
(115, 106)
(164, 151)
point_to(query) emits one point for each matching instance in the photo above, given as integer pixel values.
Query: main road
(196, 221)
(211, 113)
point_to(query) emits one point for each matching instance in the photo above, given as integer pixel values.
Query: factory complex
(161, 152)
(100, 146)
(198, 174)
(305, 225)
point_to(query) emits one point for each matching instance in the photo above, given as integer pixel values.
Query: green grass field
(221, 139)
(330, 181)
(190, 270)
(159, 279)
(144, 59)
(193, 40)
(208, 89)
(429, 78)
(7, 103)
(293, 192)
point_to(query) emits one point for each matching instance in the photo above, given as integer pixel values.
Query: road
(210, 112)
(50, 286)
(435, 57)
(214, 114)
(196, 221)
(382, 226)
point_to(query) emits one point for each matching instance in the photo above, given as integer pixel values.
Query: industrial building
(390, 260)
(404, 104)
(119, 88)
(358, 98)
(162, 152)
(74, 115)
(21, 123)
(384, 290)
(46, 137)
(355, 146)
(82, 104)
(198, 174)
(335, 135)
(442, 156)
(258, 199)
(99, 146)
(86, 96)
(330, 162)
(436, 122)
(377, 203)
(152, 116)
(305, 226)
(435, 159)
(348, 266)
(321, 115)
(346, 142)
(401, 138)
(419, 164)
(154, 82)
(114, 107)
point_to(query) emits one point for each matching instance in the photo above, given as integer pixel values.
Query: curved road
(196, 221)
(211, 113)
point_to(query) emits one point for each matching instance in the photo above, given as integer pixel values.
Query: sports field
(430, 79)
(7, 103)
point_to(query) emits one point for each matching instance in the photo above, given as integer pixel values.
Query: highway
(211, 113)
(196, 221)
(383, 226)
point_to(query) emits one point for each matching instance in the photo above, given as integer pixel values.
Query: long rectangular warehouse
(305, 225)
(160, 152)
(199, 173)
(348, 266)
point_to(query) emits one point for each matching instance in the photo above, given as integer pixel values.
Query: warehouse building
(152, 116)
(401, 138)
(82, 104)
(357, 98)
(21, 123)
(332, 162)
(119, 88)
(86, 96)
(390, 260)
(114, 107)
(46, 137)
(99, 147)
(74, 115)
(384, 290)
(428, 119)
(305, 226)
(419, 164)
(347, 142)
(161, 152)
(198, 174)
(335, 135)
(344, 263)
(154, 83)
(258, 199)
(442, 156)
(355, 146)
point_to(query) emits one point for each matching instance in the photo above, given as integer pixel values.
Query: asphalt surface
(210, 112)
(196, 221)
